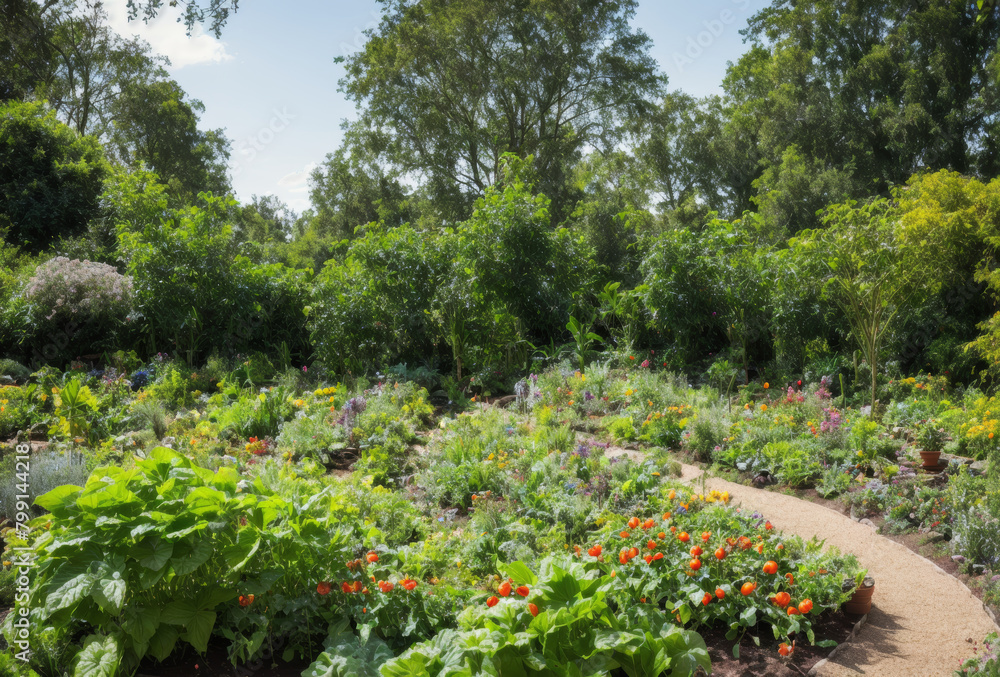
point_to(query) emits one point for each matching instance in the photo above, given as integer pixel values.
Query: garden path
(922, 619)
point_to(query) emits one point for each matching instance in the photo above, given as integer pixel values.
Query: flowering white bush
(78, 289)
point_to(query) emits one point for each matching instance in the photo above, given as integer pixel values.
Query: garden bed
(757, 660)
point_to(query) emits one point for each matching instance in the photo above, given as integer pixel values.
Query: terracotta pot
(861, 602)
(930, 459)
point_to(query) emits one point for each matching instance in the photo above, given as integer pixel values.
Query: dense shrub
(197, 291)
(50, 177)
(84, 303)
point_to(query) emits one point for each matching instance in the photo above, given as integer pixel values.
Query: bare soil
(765, 660)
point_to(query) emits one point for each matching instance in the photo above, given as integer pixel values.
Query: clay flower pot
(861, 602)
(930, 459)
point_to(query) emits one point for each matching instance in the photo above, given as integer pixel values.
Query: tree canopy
(455, 85)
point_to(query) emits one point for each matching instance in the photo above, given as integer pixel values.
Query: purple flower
(587, 397)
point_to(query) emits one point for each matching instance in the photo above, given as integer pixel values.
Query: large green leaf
(68, 587)
(59, 500)
(99, 658)
(110, 587)
(153, 553)
(199, 630)
(195, 556)
(161, 644)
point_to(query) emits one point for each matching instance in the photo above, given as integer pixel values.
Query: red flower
(504, 589)
(522, 590)
(372, 557)
(246, 601)
(657, 556)
(346, 587)
(533, 609)
(492, 601)
(323, 588)
(408, 583)
(595, 551)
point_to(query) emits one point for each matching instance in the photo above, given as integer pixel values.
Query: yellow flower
(656, 474)
(628, 392)
(763, 407)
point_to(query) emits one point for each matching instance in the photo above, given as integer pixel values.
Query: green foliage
(74, 406)
(479, 77)
(371, 311)
(50, 177)
(145, 576)
(194, 287)
(575, 626)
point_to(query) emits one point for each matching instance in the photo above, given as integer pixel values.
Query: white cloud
(167, 36)
(297, 182)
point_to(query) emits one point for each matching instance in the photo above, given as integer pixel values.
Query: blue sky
(271, 81)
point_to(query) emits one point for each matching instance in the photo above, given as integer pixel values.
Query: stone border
(854, 631)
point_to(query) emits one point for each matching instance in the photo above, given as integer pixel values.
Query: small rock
(868, 523)
(934, 537)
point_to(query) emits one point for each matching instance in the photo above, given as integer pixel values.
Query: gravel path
(922, 619)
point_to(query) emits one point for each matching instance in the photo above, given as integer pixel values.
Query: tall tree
(455, 85)
(67, 54)
(155, 126)
(871, 91)
(50, 176)
(353, 187)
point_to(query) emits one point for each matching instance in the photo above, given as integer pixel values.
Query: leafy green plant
(563, 618)
(583, 338)
(146, 575)
(74, 405)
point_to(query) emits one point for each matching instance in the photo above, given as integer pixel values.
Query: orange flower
(623, 557)
(323, 588)
(649, 559)
(657, 556)
(624, 534)
(358, 586)
(504, 589)
(770, 567)
(683, 537)
(786, 650)
(492, 601)
(522, 590)
(695, 564)
(720, 554)
(533, 609)
(632, 552)
(651, 544)
(346, 587)
(633, 523)
(246, 601)
(720, 593)
(706, 599)
(372, 557)
(648, 524)
(595, 551)
(408, 583)
(696, 551)
(705, 536)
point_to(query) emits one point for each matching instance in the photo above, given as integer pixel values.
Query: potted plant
(930, 440)
(864, 587)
